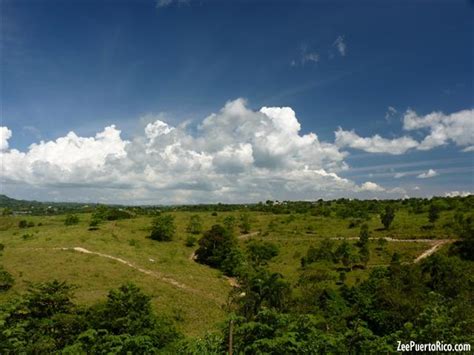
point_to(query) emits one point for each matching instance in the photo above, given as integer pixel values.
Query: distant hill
(37, 207)
(9, 202)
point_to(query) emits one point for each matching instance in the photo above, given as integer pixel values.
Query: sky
(197, 101)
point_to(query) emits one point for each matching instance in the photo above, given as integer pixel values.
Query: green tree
(433, 213)
(387, 216)
(229, 223)
(245, 223)
(364, 235)
(345, 253)
(215, 246)
(363, 244)
(260, 252)
(465, 230)
(364, 254)
(163, 228)
(194, 225)
(262, 289)
(324, 252)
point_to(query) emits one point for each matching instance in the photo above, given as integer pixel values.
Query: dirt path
(436, 245)
(156, 274)
(248, 235)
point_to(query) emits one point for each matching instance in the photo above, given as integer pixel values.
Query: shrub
(133, 242)
(71, 219)
(260, 252)
(194, 225)
(245, 224)
(6, 280)
(163, 228)
(94, 224)
(190, 241)
(27, 236)
(23, 224)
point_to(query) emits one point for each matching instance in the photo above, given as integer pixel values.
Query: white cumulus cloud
(371, 186)
(234, 155)
(428, 174)
(457, 127)
(374, 144)
(5, 135)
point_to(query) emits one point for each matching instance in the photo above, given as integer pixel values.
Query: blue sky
(82, 66)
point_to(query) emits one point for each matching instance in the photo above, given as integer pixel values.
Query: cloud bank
(235, 155)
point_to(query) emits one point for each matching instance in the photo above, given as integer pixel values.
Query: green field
(198, 304)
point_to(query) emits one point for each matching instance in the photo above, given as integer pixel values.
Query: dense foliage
(218, 248)
(46, 320)
(325, 310)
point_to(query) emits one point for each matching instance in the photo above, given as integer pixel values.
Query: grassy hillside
(197, 304)
(35, 258)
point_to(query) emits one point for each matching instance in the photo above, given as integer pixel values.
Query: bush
(194, 225)
(27, 236)
(71, 219)
(190, 241)
(114, 214)
(133, 242)
(245, 223)
(94, 224)
(23, 224)
(260, 252)
(6, 280)
(163, 228)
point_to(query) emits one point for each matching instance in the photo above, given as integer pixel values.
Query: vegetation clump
(163, 228)
(387, 216)
(46, 320)
(218, 249)
(71, 219)
(194, 225)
